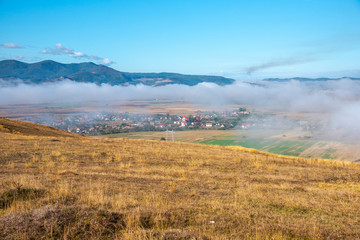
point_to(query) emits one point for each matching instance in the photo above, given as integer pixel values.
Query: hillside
(32, 129)
(135, 189)
(51, 71)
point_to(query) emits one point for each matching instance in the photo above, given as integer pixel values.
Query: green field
(273, 141)
(292, 148)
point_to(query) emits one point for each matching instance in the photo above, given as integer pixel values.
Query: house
(184, 123)
(245, 125)
(244, 112)
(208, 125)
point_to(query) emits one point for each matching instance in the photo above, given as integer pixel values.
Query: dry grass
(33, 129)
(135, 189)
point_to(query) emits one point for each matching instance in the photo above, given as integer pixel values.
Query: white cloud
(58, 50)
(61, 49)
(77, 54)
(11, 45)
(106, 61)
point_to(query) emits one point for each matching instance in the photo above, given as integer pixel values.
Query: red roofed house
(185, 121)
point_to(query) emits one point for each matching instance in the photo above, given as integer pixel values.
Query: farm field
(282, 142)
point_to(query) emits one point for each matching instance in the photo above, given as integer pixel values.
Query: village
(103, 123)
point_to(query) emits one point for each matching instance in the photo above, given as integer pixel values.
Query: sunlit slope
(136, 189)
(31, 129)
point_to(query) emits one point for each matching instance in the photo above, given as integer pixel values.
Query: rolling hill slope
(135, 189)
(32, 129)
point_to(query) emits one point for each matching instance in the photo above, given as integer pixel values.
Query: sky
(241, 39)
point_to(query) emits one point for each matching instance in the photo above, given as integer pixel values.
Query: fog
(340, 99)
(293, 96)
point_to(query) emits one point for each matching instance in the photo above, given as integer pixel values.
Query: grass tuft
(19, 194)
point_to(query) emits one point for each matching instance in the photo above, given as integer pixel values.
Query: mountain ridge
(52, 71)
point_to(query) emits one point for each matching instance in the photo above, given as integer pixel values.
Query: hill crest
(32, 129)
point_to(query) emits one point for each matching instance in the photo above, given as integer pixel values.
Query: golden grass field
(69, 187)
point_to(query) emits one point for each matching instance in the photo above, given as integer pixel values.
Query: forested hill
(51, 71)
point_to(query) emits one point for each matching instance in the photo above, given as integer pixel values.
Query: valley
(286, 133)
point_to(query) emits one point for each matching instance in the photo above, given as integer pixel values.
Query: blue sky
(236, 38)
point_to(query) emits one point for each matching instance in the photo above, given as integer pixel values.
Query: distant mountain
(300, 79)
(51, 71)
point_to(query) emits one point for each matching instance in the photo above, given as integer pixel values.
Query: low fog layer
(291, 96)
(340, 98)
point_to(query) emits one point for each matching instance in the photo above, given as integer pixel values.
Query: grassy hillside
(61, 187)
(32, 129)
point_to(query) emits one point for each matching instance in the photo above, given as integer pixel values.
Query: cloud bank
(62, 50)
(291, 96)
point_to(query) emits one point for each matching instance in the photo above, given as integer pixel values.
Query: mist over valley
(316, 109)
